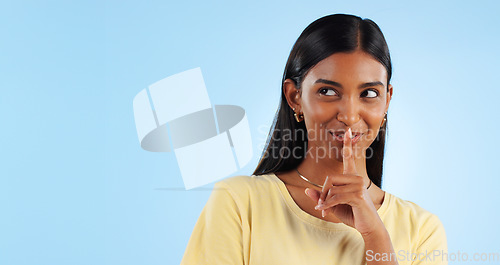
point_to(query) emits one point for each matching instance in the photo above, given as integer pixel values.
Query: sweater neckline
(303, 215)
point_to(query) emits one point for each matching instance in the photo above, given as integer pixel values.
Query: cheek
(316, 117)
(374, 120)
(316, 112)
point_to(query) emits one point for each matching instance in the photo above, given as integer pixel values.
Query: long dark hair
(322, 38)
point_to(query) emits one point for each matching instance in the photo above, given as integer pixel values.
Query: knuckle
(359, 195)
(333, 200)
(359, 179)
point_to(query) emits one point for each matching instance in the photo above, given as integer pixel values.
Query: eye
(374, 93)
(327, 89)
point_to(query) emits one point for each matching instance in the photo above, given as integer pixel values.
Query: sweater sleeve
(432, 244)
(217, 235)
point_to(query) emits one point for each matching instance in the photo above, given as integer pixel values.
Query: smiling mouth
(340, 137)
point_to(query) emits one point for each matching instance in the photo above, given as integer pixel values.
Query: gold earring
(298, 117)
(383, 122)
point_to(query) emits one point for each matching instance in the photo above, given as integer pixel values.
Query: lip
(339, 136)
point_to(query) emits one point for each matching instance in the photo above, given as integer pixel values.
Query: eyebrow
(333, 83)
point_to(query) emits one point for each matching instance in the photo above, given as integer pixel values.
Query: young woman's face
(345, 90)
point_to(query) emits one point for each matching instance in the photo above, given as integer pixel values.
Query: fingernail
(323, 213)
(320, 201)
(316, 207)
(326, 181)
(349, 133)
(306, 191)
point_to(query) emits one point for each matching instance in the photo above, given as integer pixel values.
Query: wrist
(377, 234)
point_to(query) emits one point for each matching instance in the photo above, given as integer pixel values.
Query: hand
(346, 196)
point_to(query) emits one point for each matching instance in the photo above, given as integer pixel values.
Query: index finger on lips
(347, 154)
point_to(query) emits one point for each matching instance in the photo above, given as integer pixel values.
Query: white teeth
(342, 136)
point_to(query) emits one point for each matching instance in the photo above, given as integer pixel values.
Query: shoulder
(411, 211)
(243, 186)
(419, 222)
(244, 182)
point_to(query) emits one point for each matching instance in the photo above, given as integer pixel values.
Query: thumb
(313, 194)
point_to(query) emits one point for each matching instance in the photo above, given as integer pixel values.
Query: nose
(348, 112)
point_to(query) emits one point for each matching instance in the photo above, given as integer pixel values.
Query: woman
(329, 129)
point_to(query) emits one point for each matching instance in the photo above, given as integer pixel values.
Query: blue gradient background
(76, 188)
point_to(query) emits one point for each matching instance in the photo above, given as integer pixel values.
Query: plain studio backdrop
(76, 188)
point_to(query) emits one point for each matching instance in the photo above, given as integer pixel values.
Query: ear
(292, 94)
(389, 97)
